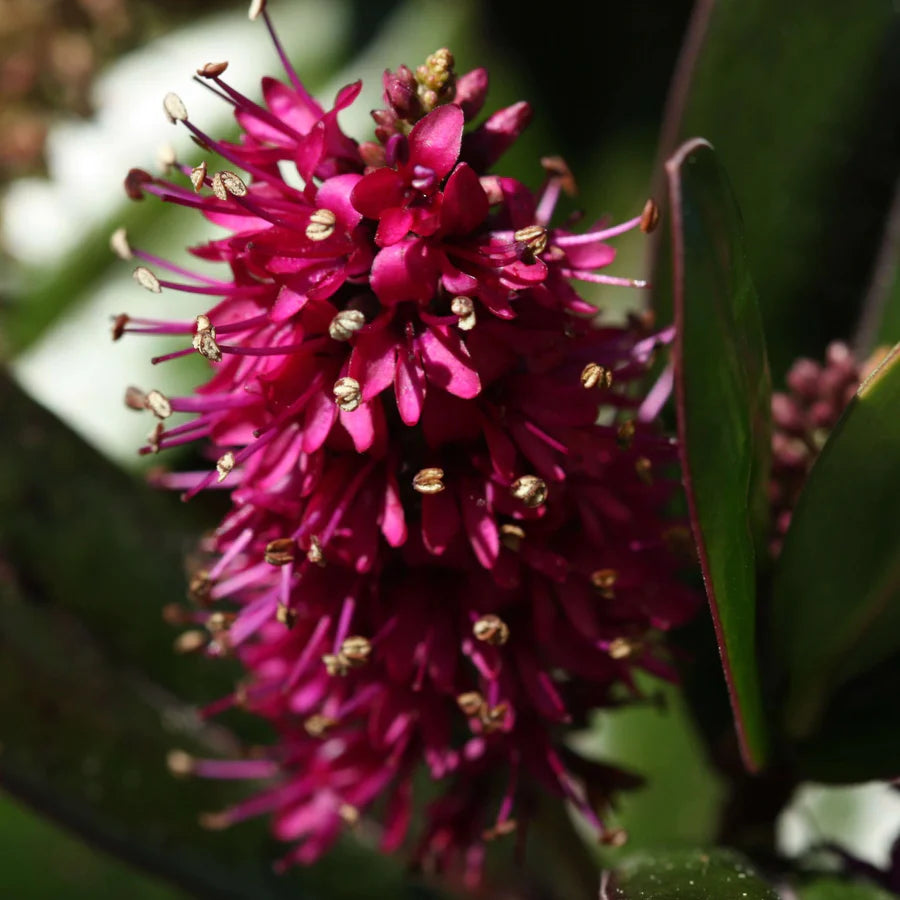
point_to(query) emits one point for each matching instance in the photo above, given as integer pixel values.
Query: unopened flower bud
(347, 394)
(491, 629)
(530, 489)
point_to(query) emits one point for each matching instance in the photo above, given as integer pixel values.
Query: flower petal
(465, 204)
(435, 140)
(447, 362)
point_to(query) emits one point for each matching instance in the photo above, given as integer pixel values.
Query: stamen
(317, 725)
(135, 398)
(225, 183)
(356, 650)
(224, 465)
(511, 536)
(146, 279)
(464, 309)
(491, 629)
(345, 324)
(429, 481)
(649, 216)
(212, 70)
(167, 158)
(644, 468)
(315, 554)
(158, 403)
(347, 394)
(582, 275)
(256, 9)
(534, 237)
(204, 341)
(321, 225)
(280, 552)
(470, 703)
(198, 176)
(174, 108)
(593, 375)
(605, 580)
(118, 243)
(530, 489)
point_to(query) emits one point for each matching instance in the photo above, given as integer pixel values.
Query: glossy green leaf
(839, 889)
(836, 601)
(722, 392)
(799, 100)
(686, 875)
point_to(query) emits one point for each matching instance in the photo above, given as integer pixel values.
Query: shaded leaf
(686, 875)
(813, 150)
(838, 889)
(722, 392)
(836, 604)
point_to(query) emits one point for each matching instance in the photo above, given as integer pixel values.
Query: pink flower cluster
(435, 554)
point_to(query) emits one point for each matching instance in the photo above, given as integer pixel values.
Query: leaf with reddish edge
(836, 586)
(723, 395)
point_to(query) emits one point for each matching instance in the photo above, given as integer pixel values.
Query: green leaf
(722, 392)
(836, 603)
(686, 875)
(838, 889)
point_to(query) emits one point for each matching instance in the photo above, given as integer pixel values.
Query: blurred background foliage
(800, 102)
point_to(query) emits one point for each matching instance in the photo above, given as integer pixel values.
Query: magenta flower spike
(439, 553)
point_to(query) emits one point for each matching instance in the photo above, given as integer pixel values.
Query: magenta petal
(335, 194)
(480, 525)
(377, 191)
(393, 520)
(361, 426)
(395, 224)
(286, 304)
(440, 521)
(295, 108)
(374, 361)
(487, 143)
(590, 256)
(320, 416)
(346, 95)
(435, 140)
(447, 362)
(405, 271)
(465, 202)
(471, 91)
(409, 387)
(455, 280)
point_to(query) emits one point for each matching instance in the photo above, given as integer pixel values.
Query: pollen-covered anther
(198, 176)
(470, 703)
(429, 481)
(155, 436)
(199, 587)
(191, 641)
(491, 629)
(644, 469)
(356, 650)
(534, 237)
(594, 375)
(625, 434)
(146, 279)
(614, 837)
(119, 324)
(530, 489)
(281, 551)
(285, 615)
(317, 725)
(212, 70)
(464, 309)
(257, 7)
(224, 465)
(507, 826)
(315, 555)
(345, 324)
(174, 108)
(558, 168)
(180, 763)
(321, 225)
(135, 398)
(336, 664)
(158, 403)
(605, 581)
(649, 216)
(225, 183)
(511, 536)
(493, 717)
(118, 243)
(166, 157)
(349, 813)
(622, 648)
(347, 393)
(204, 340)
(219, 622)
